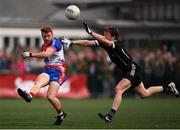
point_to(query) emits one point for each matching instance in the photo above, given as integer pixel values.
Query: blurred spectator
(158, 68)
(170, 68)
(17, 66)
(71, 62)
(5, 61)
(147, 69)
(17, 62)
(92, 72)
(104, 75)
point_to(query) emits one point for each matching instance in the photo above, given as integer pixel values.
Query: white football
(72, 12)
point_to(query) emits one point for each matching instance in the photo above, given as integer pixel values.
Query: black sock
(112, 112)
(165, 88)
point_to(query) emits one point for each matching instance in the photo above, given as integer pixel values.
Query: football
(72, 12)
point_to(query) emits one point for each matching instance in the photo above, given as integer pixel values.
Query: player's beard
(46, 41)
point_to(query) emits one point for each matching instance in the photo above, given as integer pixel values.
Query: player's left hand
(86, 27)
(66, 41)
(26, 54)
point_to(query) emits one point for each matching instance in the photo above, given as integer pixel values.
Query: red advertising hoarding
(74, 87)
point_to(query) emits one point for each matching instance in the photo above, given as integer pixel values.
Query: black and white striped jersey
(118, 55)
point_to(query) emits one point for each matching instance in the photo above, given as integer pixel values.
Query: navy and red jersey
(57, 60)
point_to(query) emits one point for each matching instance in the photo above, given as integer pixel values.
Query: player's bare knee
(145, 95)
(36, 85)
(50, 97)
(118, 90)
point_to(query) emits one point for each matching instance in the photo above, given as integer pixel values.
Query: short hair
(46, 29)
(114, 31)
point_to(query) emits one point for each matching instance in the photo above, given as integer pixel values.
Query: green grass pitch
(153, 113)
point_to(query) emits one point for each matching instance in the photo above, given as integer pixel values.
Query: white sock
(61, 113)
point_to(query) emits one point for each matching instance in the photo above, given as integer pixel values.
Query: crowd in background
(159, 66)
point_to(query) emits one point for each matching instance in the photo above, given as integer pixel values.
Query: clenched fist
(26, 54)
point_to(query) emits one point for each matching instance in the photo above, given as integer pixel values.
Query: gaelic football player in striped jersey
(54, 73)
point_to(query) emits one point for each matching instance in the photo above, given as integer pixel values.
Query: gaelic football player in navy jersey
(130, 70)
(54, 73)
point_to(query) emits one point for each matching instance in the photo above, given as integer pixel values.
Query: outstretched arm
(84, 42)
(68, 42)
(50, 51)
(97, 36)
(102, 39)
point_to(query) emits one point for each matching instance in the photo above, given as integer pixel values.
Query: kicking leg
(122, 86)
(51, 96)
(41, 81)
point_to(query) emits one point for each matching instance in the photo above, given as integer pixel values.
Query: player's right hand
(66, 41)
(26, 54)
(86, 27)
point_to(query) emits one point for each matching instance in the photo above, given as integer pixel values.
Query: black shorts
(134, 75)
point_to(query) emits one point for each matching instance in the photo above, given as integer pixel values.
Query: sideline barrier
(74, 87)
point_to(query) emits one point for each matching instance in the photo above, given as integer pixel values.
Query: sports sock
(165, 88)
(112, 112)
(59, 114)
(59, 111)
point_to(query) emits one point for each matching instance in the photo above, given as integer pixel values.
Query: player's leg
(51, 96)
(143, 92)
(41, 81)
(57, 78)
(121, 87)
